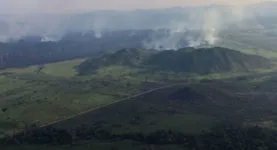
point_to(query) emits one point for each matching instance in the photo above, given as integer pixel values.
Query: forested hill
(23, 54)
(207, 60)
(202, 61)
(31, 51)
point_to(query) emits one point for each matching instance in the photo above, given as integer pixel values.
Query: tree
(4, 109)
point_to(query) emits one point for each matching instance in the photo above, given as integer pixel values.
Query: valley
(117, 88)
(138, 75)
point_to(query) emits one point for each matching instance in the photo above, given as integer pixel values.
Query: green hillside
(186, 108)
(189, 108)
(206, 61)
(124, 57)
(41, 94)
(189, 60)
(169, 117)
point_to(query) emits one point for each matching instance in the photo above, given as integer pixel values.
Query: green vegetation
(230, 86)
(187, 108)
(53, 98)
(188, 60)
(44, 89)
(63, 69)
(220, 137)
(55, 95)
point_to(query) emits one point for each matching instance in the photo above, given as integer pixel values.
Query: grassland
(146, 113)
(59, 69)
(56, 91)
(190, 108)
(63, 69)
(41, 94)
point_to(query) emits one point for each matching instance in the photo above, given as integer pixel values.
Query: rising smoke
(205, 27)
(211, 26)
(173, 28)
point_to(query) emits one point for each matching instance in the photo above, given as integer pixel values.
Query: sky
(64, 6)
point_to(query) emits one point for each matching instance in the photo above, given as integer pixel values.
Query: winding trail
(96, 108)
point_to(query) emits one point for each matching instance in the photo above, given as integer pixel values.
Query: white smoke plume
(211, 26)
(206, 26)
(99, 25)
(184, 26)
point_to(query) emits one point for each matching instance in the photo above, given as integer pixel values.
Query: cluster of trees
(23, 54)
(227, 137)
(206, 60)
(32, 52)
(237, 138)
(186, 60)
(34, 135)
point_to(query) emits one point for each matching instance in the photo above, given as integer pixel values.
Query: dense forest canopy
(190, 60)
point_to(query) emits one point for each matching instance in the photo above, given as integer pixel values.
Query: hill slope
(190, 60)
(186, 108)
(173, 116)
(124, 57)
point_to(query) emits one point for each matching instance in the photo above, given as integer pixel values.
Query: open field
(60, 69)
(63, 69)
(189, 108)
(56, 92)
(53, 98)
(53, 95)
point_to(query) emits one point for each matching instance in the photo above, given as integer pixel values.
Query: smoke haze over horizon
(66, 6)
(208, 21)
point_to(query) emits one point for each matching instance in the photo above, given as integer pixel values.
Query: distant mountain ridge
(14, 26)
(190, 60)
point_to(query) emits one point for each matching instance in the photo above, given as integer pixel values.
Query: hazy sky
(26, 6)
